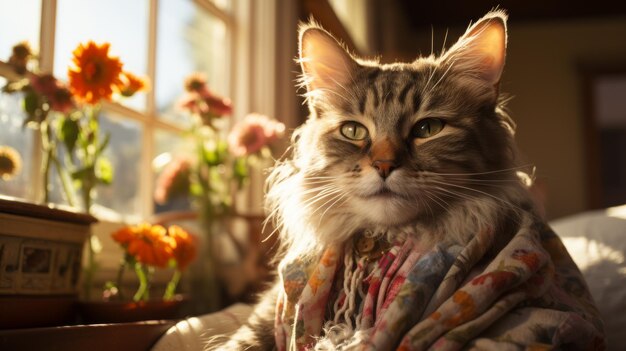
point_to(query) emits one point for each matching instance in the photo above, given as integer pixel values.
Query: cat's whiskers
(430, 77)
(483, 181)
(316, 184)
(320, 197)
(498, 199)
(419, 199)
(442, 76)
(351, 94)
(451, 193)
(443, 46)
(517, 168)
(438, 200)
(322, 92)
(319, 189)
(342, 196)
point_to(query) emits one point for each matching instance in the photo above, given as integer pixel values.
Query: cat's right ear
(326, 65)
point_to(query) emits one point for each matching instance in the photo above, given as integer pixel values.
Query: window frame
(148, 119)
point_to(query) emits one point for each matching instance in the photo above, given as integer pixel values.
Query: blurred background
(565, 69)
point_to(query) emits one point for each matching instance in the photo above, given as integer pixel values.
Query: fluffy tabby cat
(421, 148)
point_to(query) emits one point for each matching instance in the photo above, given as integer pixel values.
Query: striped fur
(444, 187)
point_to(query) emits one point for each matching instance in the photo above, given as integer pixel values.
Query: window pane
(21, 139)
(170, 149)
(122, 23)
(124, 152)
(19, 21)
(188, 40)
(225, 5)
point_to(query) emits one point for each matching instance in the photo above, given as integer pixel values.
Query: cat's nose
(384, 167)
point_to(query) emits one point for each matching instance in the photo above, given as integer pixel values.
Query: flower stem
(47, 155)
(120, 275)
(64, 181)
(171, 286)
(142, 292)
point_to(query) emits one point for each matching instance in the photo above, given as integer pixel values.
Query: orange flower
(147, 244)
(95, 73)
(185, 251)
(131, 84)
(124, 236)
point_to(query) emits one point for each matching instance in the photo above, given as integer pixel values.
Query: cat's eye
(427, 127)
(354, 130)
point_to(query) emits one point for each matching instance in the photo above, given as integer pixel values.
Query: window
(165, 40)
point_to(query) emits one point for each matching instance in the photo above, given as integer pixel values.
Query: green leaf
(68, 132)
(211, 157)
(80, 173)
(104, 171)
(195, 189)
(216, 153)
(104, 144)
(240, 171)
(31, 103)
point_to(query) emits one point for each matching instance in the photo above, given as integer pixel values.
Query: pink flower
(61, 100)
(58, 96)
(202, 102)
(173, 180)
(253, 133)
(195, 82)
(44, 84)
(217, 105)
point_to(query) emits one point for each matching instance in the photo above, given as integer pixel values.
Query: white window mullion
(263, 98)
(216, 11)
(46, 64)
(147, 155)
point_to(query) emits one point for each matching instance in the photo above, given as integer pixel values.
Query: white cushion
(596, 240)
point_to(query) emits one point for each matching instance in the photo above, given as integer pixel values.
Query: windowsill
(126, 336)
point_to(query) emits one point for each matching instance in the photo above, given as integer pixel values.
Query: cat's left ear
(482, 49)
(326, 65)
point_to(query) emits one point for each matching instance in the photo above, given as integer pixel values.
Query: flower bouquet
(67, 118)
(67, 115)
(224, 158)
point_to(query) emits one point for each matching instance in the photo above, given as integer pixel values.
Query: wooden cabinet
(40, 263)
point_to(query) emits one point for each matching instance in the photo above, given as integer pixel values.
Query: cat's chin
(384, 209)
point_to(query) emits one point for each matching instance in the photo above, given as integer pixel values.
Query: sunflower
(95, 73)
(10, 162)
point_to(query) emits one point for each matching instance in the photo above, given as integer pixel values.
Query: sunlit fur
(444, 189)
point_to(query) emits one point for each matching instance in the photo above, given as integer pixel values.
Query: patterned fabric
(530, 296)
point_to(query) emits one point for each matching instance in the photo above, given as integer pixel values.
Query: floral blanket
(529, 296)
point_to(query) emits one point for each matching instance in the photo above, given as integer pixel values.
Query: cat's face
(391, 143)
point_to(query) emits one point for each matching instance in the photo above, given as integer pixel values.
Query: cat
(420, 151)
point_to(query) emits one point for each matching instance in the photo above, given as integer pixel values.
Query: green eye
(427, 128)
(354, 131)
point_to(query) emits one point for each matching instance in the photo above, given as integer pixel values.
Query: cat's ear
(482, 49)
(326, 65)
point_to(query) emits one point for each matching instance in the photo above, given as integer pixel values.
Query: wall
(543, 73)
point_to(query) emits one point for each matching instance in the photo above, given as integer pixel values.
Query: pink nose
(384, 167)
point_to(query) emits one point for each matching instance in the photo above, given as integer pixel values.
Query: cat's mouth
(382, 193)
